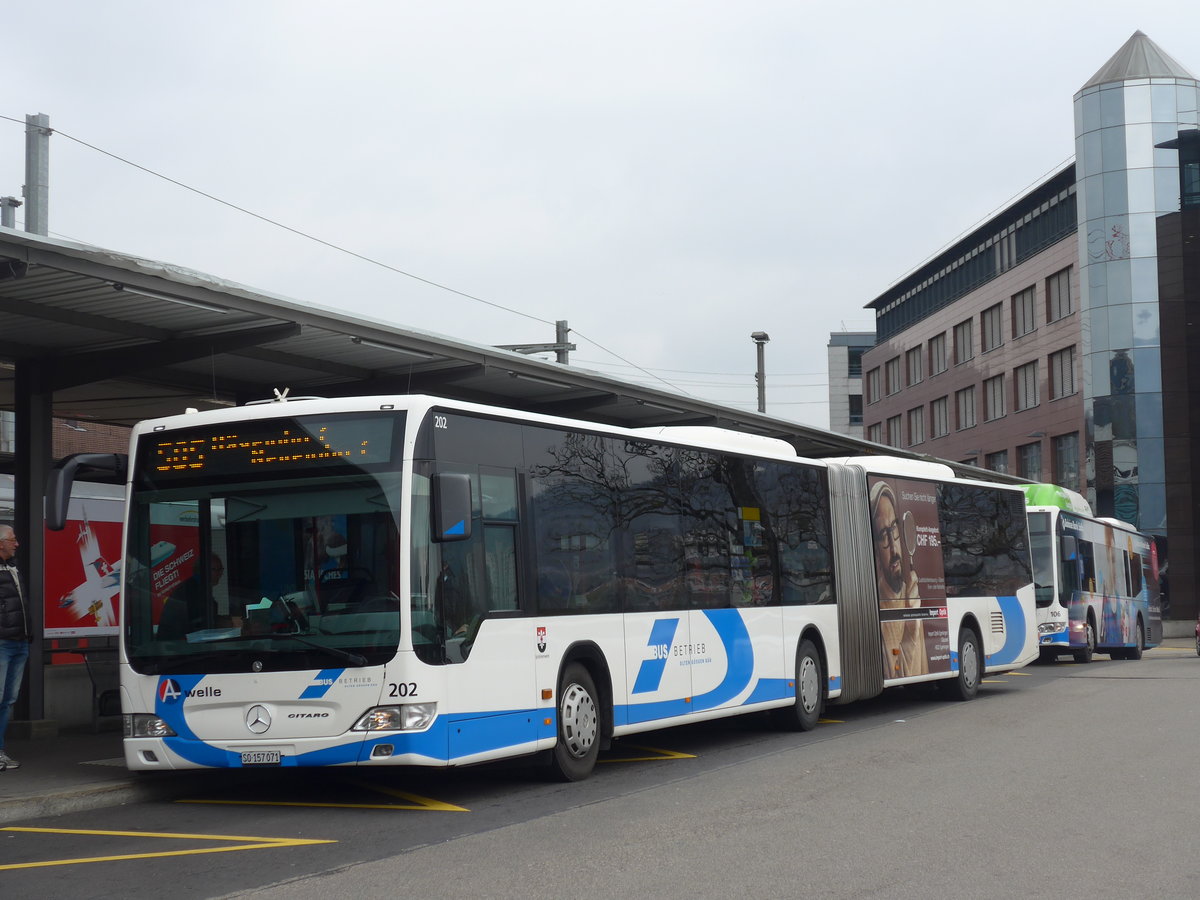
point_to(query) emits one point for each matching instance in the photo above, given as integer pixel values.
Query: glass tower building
(1129, 120)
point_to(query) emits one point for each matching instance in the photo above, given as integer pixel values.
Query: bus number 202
(404, 689)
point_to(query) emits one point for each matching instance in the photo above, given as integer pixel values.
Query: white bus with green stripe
(1096, 579)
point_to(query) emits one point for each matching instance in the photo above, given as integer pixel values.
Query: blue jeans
(13, 655)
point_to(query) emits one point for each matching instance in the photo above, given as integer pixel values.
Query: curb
(85, 799)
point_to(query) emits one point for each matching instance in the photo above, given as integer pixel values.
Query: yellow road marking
(415, 801)
(1021, 674)
(243, 843)
(831, 721)
(396, 806)
(657, 755)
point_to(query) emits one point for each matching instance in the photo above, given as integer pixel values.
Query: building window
(997, 462)
(916, 425)
(875, 433)
(912, 360)
(894, 436)
(1066, 460)
(1029, 461)
(873, 393)
(1058, 295)
(1062, 373)
(891, 375)
(993, 398)
(856, 409)
(1023, 305)
(1025, 386)
(854, 357)
(1006, 251)
(964, 348)
(939, 417)
(990, 332)
(937, 354)
(964, 403)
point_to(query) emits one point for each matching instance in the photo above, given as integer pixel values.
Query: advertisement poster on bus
(83, 570)
(910, 577)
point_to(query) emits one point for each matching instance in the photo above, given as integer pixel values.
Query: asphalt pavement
(81, 771)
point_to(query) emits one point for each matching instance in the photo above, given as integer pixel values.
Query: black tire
(1083, 655)
(970, 667)
(574, 756)
(805, 712)
(1198, 645)
(1139, 643)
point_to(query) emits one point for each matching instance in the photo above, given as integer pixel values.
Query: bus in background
(409, 580)
(1096, 578)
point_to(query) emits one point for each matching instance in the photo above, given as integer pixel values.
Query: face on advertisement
(888, 553)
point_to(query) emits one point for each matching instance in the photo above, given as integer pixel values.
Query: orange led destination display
(244, 448)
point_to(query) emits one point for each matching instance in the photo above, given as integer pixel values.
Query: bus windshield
(252, 567)
(1041, 544)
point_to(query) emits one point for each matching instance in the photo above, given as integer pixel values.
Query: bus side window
(1087, 566)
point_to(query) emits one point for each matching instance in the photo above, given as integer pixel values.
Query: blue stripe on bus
(739, 656)
(650, 673)
(321, 684)
(168, 706)
(770, 689)
(1014, 632)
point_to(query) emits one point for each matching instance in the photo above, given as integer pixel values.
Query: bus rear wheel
(970, 667)
(1139, 643)
(805, 712)
(574, 756)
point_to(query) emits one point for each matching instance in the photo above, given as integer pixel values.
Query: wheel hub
(579, 720)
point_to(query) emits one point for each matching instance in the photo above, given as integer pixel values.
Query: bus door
(476, 612)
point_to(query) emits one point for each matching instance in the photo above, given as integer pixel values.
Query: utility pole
(760, 339)
(561, 346)
(37, 173)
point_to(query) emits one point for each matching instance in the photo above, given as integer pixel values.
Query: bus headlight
(1051, 627)
(407, 717)
(146, 725)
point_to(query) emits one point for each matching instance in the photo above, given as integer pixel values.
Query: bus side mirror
(62, 477)
(451, 507)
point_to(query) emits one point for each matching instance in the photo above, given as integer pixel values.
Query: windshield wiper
(355, 659)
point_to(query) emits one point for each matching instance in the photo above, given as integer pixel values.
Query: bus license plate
(261, 758)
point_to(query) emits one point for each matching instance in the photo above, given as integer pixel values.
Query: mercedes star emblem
(258, 719)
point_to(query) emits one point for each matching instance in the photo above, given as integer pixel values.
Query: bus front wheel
(574, 756)
(1084, 654)
(970, 667)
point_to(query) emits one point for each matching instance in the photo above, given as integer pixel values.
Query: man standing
(14, 636)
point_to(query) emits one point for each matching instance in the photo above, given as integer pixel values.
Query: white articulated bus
(1096, 579)
(416, 581)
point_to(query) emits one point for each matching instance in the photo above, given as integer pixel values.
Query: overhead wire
(340, 249)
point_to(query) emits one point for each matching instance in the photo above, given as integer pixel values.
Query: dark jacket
(14, 618)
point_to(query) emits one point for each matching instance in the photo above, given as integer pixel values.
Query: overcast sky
(667, 176)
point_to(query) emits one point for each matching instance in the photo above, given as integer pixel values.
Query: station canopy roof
(119, 339)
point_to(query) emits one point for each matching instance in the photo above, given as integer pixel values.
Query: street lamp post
(760, 339)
